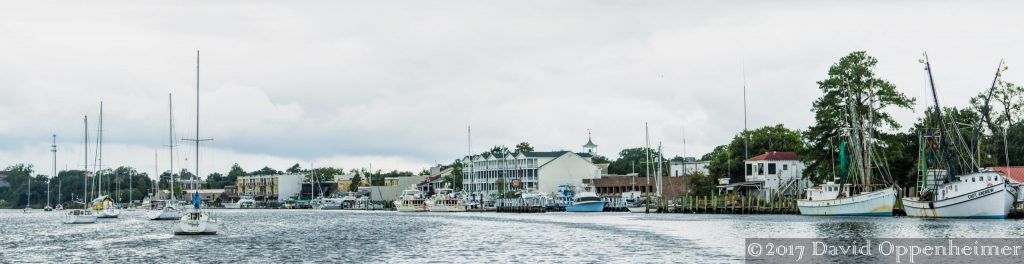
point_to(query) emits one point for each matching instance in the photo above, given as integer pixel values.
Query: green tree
(294, 169)
(701, 184)
(524, 147)
(851, 86)
(598, 159)
(634, 159)
(356, 180)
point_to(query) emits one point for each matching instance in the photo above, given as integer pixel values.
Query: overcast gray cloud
(347, 83)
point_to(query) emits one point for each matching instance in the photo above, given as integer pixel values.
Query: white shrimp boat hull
(877, 203)
(993, 202)
(71, 218)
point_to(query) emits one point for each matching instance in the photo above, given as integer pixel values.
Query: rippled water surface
(347, 236)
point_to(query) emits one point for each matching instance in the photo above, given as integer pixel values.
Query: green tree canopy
(524, 147)
(851, 87)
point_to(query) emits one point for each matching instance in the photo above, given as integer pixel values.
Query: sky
(395, 84)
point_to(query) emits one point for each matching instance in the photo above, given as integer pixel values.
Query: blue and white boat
(583, 201)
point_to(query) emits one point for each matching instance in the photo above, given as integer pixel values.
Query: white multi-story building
(279, 187)
(540, 171)
(776, 171)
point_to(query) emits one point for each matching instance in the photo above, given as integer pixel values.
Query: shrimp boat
(952, 184)
(197, 221)
(846, 199)
(410, 201)
(445, 201)
(84, 215)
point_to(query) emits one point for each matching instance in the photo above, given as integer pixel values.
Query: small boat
(641, 206)
(585, 201)
(245, 201)
(444, 201)
(59, 207)
(410, 201)
(196, 221)
(47, 208)
(163, 210)
(79, 216)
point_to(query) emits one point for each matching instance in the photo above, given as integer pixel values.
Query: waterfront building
(775, 173)
(206, 195)
(541, 171)
(278, 187)
(616, 185)
(687, 166)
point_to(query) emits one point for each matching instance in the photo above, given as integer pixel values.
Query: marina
(291, 235)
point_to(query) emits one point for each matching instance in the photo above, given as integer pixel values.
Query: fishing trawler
(856, 198)
(960, 189)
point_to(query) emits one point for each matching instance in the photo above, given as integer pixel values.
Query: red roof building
(775, 155)
(1014, 173)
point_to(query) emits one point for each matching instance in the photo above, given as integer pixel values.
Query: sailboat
(103, 205)
(641, 205)
(962, 190)
(84, 215)
(197, 221)
(28, 195)
(168, 209)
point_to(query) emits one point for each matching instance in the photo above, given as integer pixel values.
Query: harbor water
(379, 236)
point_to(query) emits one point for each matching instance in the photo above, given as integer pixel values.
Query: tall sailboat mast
(170, 139)
(197, 139)
(53, 149)
(85, 173)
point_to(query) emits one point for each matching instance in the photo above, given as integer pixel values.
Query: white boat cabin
(828, 191)
(968, 183)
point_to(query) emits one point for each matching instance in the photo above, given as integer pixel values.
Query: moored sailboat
(84, 215)
(197, 221)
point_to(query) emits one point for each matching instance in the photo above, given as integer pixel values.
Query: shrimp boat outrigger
(952, 184)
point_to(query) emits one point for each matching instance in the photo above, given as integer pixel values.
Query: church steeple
(590, 147)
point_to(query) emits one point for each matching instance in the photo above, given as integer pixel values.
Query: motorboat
(245, 201)
(586, 201)
(445, 201)
(411, 201)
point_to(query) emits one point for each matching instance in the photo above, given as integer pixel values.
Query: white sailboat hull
(992, 202)
(73, 217)
(164, 214)
(877, 203)
(196, 223)
(108, 213)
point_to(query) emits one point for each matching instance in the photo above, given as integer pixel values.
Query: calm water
(345, 236)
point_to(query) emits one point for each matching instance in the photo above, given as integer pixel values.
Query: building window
(760, 169)
(771, 168)
(785, 166)
(749, 169)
